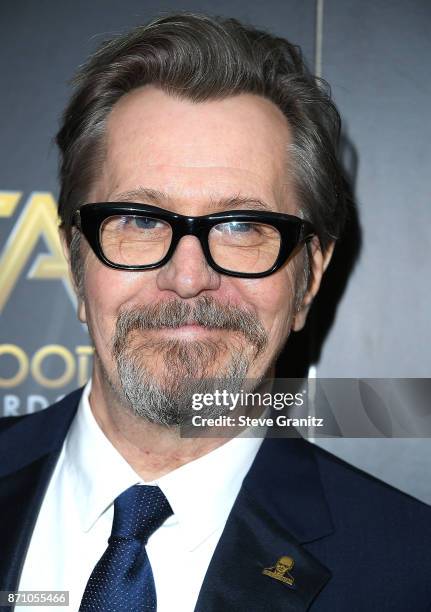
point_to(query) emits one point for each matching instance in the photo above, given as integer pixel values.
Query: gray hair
(201, 58)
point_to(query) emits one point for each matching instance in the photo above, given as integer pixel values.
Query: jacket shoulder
(42, 415)
(6, 422)
(353, 490)
(25, 438)
(380, 545)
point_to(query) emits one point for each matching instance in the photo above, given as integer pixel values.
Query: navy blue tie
(122, 580)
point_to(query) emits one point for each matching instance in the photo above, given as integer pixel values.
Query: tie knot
(139, 511)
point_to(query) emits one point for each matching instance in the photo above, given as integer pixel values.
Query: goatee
(183, 367)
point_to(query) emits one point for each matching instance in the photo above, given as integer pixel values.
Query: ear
(319, 261)
(80, 299)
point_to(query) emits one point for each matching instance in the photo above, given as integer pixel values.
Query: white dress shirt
(75, 519)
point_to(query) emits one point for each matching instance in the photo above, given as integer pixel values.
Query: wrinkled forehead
(197, 152)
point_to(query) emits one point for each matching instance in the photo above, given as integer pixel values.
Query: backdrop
(376, 55)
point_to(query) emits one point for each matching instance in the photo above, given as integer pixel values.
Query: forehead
(196, 152)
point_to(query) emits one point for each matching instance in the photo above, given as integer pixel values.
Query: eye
(146, 223)
(135, 227)
(236, 227)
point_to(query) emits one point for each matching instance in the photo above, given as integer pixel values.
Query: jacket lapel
(280, 507)
(29, 451)
(21, 495)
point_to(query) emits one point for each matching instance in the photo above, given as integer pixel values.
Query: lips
(205, 316)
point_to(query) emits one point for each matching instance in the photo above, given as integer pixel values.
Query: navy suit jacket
(357, 544)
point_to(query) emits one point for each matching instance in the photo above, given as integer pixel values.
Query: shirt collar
(97, 471)
(201, 493)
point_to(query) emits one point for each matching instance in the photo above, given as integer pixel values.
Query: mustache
(204, 311)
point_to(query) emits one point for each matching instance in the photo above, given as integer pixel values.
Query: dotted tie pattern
(122, 580)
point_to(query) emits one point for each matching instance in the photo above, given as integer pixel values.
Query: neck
(152, 450)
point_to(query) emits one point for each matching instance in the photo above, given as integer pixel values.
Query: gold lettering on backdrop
(8, 202)
(23, 365)
(69, 366)
(38, 219)
(75, 363)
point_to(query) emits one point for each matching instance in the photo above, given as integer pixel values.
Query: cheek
(272, 299)
(106, 292)
(103, 291)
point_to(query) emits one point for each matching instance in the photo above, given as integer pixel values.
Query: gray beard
(188, 366)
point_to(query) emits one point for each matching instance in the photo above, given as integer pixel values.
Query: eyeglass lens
(236, 246)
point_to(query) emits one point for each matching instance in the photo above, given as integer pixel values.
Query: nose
(187, 273)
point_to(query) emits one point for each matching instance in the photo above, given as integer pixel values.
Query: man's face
(198, 155)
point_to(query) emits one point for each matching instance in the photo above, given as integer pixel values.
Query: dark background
(376, 56)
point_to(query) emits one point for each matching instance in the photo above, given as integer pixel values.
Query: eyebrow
(160, 198)
(240, 202)
(144, 194)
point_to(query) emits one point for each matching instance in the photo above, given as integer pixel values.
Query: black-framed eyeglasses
(242, 243)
